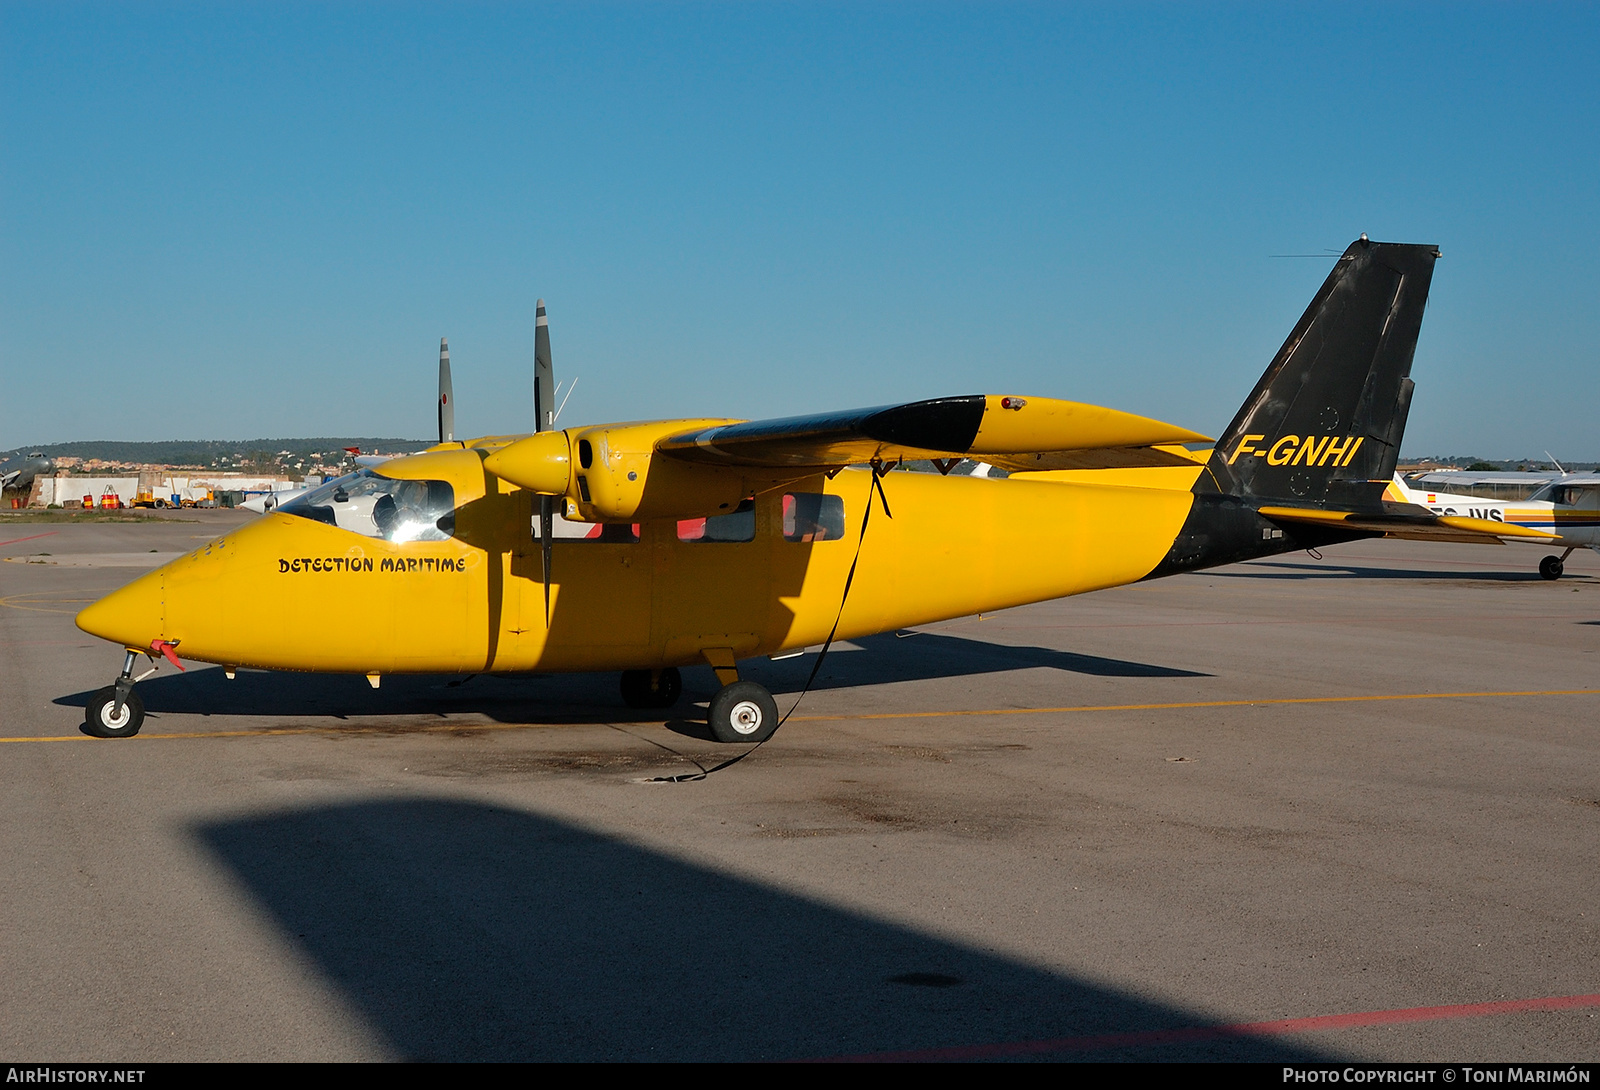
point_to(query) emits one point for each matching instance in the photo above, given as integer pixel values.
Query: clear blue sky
(231, 220)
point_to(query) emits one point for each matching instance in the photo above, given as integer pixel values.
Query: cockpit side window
(380, 507)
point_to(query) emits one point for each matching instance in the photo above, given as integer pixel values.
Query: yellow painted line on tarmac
(452, 727)
(266, 732)
(1202, 704)
(35, 602)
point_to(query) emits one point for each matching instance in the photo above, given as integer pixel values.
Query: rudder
(1324, 423)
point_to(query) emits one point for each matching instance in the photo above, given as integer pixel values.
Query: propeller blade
(447, 398)
(544, 415)
(544, 375)
(547, 506)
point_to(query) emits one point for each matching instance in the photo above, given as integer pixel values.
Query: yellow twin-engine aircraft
(709, 541)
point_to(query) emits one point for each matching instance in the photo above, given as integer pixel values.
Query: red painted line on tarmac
(1187, 1034)
(14, 540)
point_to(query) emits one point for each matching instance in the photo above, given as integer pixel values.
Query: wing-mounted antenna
(544, 416)
(447, 398)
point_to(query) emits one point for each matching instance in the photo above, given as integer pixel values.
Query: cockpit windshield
(1567, 495)
(380, 507)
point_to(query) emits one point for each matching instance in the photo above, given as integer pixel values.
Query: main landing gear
(742, 711)
(651, 688)
(117, 711)
(1551, 567)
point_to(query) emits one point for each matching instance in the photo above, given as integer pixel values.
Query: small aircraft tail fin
(1308, 458)
(1324, 423)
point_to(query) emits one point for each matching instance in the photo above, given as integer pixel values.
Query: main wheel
(1551, 567)
(742, 712)
(651, 688)
(102, 720)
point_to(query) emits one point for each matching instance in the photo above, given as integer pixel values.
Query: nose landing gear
(117, 711)
(1551, 567)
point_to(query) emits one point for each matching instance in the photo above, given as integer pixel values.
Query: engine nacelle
(613, 473)
(619, 476)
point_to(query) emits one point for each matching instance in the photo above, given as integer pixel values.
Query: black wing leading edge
(942, 424)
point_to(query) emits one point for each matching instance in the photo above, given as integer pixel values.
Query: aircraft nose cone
(132, 616)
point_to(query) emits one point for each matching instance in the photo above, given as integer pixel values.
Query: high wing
(1409, 521)
(1015, 433)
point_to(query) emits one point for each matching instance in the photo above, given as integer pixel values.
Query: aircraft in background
(716, 540)
(263, 502)
(18, 471)
(1564, 508)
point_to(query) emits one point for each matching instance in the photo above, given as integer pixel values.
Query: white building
(68, 490)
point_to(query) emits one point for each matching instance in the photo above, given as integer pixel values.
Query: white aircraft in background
(263, 502)
(271, 501)
(1566, 505)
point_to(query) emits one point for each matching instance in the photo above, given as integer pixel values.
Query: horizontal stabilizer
(1011, 432)
(1410, 521)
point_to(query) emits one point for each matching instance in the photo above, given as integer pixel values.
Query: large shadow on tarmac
(582, 698)
(463, 931)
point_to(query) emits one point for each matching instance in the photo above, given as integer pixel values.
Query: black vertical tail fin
(1324, 423)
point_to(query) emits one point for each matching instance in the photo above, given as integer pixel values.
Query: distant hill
(1500, 465)
(203, 452)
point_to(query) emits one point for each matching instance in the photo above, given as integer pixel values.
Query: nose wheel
(1551, 567)
(117, 711)
(114, 714)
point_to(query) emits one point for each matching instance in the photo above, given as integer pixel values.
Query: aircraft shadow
(1335, 570)
(593, 698)
(464, 931)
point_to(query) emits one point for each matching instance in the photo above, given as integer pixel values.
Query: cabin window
(564, 529)
(737, 525)
(812, 516)
(376, 506)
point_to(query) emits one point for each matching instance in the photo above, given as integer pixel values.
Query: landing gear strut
(651, 688)
(1551, 567)
(117, 711)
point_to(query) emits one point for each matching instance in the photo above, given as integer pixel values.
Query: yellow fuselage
(287, 592)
